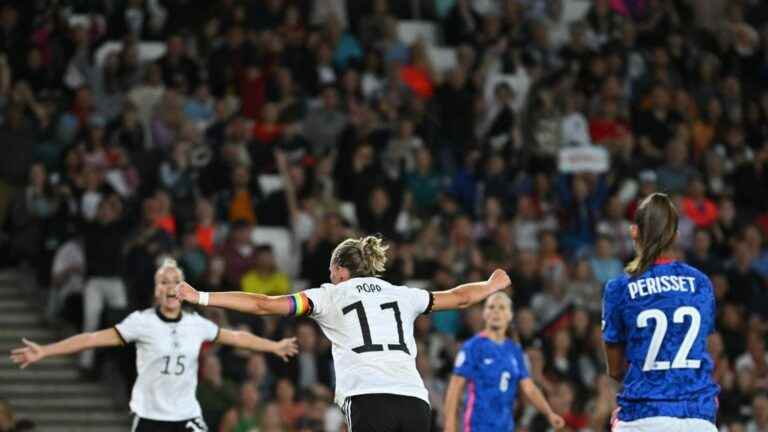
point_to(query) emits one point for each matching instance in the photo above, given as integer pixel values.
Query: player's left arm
(536, 397)
(468, 294)
(284, 348)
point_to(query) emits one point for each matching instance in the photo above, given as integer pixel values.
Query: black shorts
(386, 413)
(147, 425)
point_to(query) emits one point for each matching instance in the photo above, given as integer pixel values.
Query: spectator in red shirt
(206, 229)
(418, 75)
(607, 129)
(697, 206)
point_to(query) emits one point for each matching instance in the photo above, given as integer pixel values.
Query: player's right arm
(452, 400)
(33, 352)
(471, 293)
(614, 359)
(464, 368)
(256, 304)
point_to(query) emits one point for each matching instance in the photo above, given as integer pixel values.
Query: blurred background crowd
(247, 138)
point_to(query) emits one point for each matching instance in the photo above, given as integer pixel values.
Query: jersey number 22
(681, 360)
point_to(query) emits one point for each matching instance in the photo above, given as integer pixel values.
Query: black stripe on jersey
(122, 339)
(165, 318)
(430, 304)
(311, 308)
(218, 333)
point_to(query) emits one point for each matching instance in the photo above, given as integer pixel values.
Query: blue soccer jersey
(492, 371)
(663, 318)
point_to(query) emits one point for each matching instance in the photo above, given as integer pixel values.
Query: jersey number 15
(681, 360)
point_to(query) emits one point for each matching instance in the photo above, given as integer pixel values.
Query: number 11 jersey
(663, 318)
(370, 325)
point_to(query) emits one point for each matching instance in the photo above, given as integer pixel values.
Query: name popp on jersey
(656, 285)
(368, 288)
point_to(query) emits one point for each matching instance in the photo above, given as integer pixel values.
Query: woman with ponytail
(370, 324)
(492, 365)
(168, 342)
(656, 320)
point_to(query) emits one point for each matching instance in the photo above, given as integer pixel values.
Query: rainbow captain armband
(300, 305)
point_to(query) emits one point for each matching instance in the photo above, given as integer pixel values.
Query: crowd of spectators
(113, 159)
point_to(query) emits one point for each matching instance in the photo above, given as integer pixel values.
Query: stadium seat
(270, 183)
(148, 51)
(287, 253)
(347, 211)
(520, 83)
(409, 31)
(417, 283)
(79, 20)
(576, 10)
(442, 58)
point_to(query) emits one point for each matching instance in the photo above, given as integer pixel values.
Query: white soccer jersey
(370, 324)
(166, 361)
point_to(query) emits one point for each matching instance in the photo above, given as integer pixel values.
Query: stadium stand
(471, 134)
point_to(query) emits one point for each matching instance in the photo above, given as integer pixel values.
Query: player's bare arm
(453, 398)
(256, 304)
(284, 349)
(32, 352)
(471, 293)
(536, 397)
(614, 358)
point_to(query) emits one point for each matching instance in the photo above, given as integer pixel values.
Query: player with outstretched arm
(493, 368)
(168, 341)
(370, 325)
(656, 321)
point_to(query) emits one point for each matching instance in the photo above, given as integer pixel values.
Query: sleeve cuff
(431, 303)
(119, 335)
(461, 373)
(218, 333)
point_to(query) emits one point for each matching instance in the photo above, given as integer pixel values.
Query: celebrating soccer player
(168, 342)
(656, 320)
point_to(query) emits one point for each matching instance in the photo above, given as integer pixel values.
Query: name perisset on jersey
(659, 284)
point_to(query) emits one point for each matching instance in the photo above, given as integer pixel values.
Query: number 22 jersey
(663, 318)
(370, 325)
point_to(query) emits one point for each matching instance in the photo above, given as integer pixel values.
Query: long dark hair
(656, 219)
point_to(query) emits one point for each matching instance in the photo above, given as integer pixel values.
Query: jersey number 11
(368, 345)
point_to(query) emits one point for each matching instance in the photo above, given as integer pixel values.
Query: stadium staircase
(50, 393)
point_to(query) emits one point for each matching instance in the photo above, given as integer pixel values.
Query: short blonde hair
(364, 256)
(169, 263)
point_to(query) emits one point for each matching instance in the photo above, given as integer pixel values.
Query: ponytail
(656, 219)
(366, 256)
